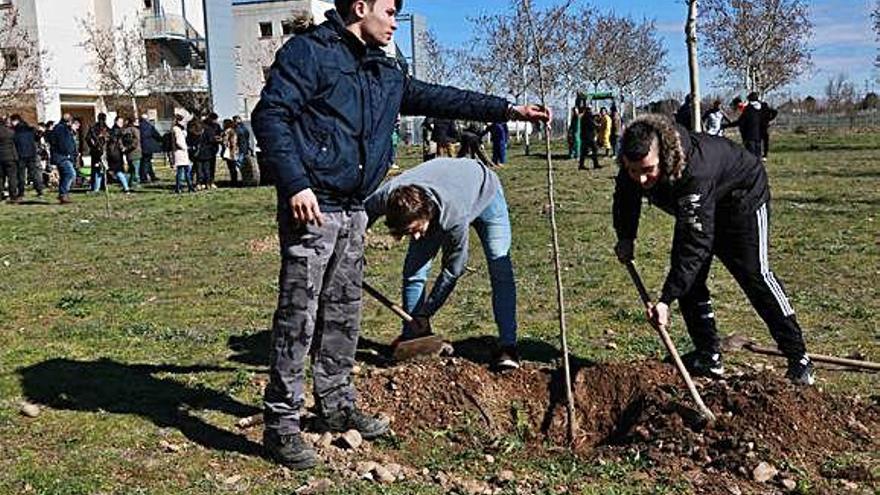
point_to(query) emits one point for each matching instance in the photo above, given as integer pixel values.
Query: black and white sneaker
(704, 363)
(800, 371)
(507, 358)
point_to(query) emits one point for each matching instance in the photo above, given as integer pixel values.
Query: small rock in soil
(504, 477)
(325, 441)
(472, 487)
(315, 486)
(351, 440)
(789, 484)
(396, 470)
(232, 479)
(365, 467)
(764, 472)
(382, 475)
(490, 459)
(30, 410)
(611, 346)
(169, 447)
(849, 485)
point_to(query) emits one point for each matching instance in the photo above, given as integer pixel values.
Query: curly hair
(640, 134)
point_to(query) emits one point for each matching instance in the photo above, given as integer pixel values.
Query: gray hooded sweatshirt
(461, 188)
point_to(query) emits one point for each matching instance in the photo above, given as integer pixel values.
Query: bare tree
(440, 68)
(640, 59)
(22, 75)
(840, 94)
(875, 17)
(758, 44)
(502, 45)
(690, 31)
(119, 57)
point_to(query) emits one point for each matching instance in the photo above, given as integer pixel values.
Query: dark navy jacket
(25, 141)
(326, 114)
(63, 143)
(720, 181)
(151, 140)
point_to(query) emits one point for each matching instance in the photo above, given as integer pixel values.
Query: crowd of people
(440, 136)
(50, 155)
(753, 121)
(588, 132)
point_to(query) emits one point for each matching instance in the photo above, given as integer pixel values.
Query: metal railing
(171, 79)
(168, 26)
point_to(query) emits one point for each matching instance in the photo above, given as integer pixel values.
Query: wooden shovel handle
(819, 358)
(670, 346)
(387, 303)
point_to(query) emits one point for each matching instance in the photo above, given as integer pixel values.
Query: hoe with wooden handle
(407, 349)
(737, 342)
(670, 347)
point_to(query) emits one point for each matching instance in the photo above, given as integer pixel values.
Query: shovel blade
(430, 345)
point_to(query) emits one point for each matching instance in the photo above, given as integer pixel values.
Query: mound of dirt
(627, 408)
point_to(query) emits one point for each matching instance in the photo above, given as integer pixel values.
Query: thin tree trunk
(560, 296)
(693, 65)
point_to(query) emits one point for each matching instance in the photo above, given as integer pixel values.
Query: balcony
(168, 26)
(180, 79)
(176, 34)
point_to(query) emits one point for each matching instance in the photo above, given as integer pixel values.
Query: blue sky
(843, 41)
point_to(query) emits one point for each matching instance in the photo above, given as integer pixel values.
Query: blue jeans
(184, 173)
(134, 168)
(499, 152)
(122, 177)
(493, 228)
(66, 175)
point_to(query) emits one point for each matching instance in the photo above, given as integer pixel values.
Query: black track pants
(742, 245)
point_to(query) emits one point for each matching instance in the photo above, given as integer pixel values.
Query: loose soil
(638, 409)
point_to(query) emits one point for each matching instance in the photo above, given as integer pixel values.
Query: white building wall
(58, 31)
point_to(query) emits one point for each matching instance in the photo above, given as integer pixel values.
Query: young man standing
(324, 125)
(63, 153)
(436, 208)
(720, 197)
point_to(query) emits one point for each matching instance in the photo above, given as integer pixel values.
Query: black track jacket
(720, 180)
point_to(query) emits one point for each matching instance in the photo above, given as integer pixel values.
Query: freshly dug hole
(625, 406)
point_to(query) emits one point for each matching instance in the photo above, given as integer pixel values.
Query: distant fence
(804, 122)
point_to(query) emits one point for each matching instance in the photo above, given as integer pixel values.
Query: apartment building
(261, 27)
(173, 32)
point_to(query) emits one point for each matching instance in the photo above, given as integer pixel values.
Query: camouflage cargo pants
(319, 312)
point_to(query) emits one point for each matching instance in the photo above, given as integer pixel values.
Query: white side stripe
(764, 261)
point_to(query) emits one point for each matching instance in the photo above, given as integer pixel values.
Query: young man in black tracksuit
(719, 195)
(753, 123)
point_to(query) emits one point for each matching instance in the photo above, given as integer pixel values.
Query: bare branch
(119, 58)
(22, 75)
(759, 45)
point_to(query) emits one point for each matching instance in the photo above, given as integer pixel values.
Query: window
(266, 30)
(148, 4)
(10, 58)
(287, 28)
